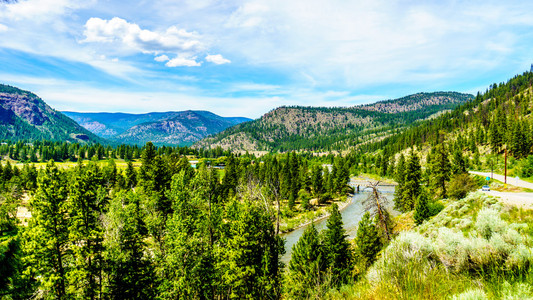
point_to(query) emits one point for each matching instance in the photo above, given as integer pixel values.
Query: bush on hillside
(461, 185)
(527, 167)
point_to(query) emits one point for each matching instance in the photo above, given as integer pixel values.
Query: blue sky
(244, 58)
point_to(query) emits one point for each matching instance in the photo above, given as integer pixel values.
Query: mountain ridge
(25, 116)
(165, 128)
(327, 128)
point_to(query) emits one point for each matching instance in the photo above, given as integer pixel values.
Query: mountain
(499, 120)
(24, 116)
(163, 128)
(336, 128)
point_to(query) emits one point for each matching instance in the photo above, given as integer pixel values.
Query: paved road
(524, 200)
(510, 180)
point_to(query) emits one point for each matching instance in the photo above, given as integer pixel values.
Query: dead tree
(375, 204)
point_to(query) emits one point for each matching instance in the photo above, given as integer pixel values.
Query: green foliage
(422, 212)
(47, 236)
(409, 186)
(88, 200)
(129, 267)
(439, 169)
(306, 266)
(336, 248)
(367, 242)
(434, 208)
(527, 167)
(460, 185)
(249, 261)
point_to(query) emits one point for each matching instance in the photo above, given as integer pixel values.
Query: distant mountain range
(24, 116)
(332, 128)
(163, 128)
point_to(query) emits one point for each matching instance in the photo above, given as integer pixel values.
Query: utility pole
(505, 172)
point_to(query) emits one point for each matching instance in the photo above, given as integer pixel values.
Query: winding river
(351, 215)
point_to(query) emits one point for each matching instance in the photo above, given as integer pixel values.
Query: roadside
(524, 200)
(510, 180)
(519, 199)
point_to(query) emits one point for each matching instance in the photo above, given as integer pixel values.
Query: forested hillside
(499, 119)
(319, 128)
(24, 116)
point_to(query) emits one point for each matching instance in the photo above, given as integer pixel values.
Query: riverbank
(309, 217)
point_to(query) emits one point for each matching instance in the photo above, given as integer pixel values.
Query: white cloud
(161, 58)
(40, 10)
(131, 38)
(354, 44)
(130, 35)
(183, 62)
(217, 59)
(3, 28)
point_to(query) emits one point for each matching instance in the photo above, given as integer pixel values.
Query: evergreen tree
(439, 170)
(250, 256)
(47, 237)
(88, 199)
(131, 176)
(400, 179)
(459, 163)
(336, 248)
(307, 264)
(317, 181)
(231, 177)
(367, 241)
(189, 259)
(411, 185)
(129, 268)
(421, 209)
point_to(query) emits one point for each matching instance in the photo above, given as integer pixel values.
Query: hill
(25, 116)
(321, 128)
(499, 119)
(163, 128)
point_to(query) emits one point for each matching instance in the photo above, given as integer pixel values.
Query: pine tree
(367, 241)
(459, 163)
(131, 176)
(88, 200)
(251, 253)
(317, 181)
(400, 179)
(411, 186)
(440, 169)
(336, 248)
(230, 180)
(307, 264)
(47, 237)
(128, 263)
(421, 209)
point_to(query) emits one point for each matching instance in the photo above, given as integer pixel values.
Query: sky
(245, 58)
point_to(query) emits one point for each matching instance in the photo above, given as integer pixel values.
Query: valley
(169, 197)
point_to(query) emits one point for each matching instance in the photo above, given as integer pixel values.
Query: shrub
(435, 208)
(527, 167)
(304, 198)
(489, 222)
(460, 185)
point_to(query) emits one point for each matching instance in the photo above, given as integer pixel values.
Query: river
(351, 215)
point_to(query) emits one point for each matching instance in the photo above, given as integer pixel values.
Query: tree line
(162, 230)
